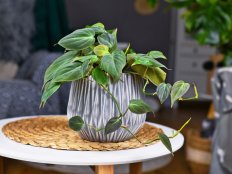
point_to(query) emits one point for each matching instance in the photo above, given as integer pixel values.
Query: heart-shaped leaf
(98, 28)
(156, 55)
(76, 123)
(101, 50)
(163, 91)
(106, 39)
(139, 107)
(100, 76)
(178, 90)
(78, 40)
(165, 140)
(114, 63)
(113, 124)
(155, 75)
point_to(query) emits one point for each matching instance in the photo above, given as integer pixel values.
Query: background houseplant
(209, 22)
(92, 55)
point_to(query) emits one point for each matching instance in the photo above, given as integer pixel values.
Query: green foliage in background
(93, 52)
(209, 22)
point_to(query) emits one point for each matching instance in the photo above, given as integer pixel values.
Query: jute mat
(53, 132)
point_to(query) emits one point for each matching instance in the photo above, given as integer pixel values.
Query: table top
(12, 149)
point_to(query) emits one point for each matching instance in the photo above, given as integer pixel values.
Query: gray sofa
(21, 96)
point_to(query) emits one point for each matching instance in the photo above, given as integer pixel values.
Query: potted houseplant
(107, 88)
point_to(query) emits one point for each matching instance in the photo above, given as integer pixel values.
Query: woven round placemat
(53, 132)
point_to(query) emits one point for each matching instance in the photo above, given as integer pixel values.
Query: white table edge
(139, 158)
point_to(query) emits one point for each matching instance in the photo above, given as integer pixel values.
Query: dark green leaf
(114, 34)
(101, 50)
(163, 91)
(113, 124)
(178, 90)
(76, 123)
(49, 89)
(73, 72)
(152, 3)
(165, 140)
(78, 40)
(114, 63)
(100, 76)
(106, 39)
(65, 59)
(139, 107)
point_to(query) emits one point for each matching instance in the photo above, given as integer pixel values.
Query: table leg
(107, 169)
(136, 168)
(1, 165)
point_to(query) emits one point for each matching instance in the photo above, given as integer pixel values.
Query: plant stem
(124, 113)
(144, 89)
(191, 98)
(114, 99)
(128, 130)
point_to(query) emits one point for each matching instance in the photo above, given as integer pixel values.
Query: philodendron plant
(92, 52)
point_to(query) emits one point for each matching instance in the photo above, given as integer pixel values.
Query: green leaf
(49, 89)
(78, 40)
(139, 107)
(155, 75)
(113, 124)
(62, 60)
(152, 3)
(163, 91)
(98, 24)
(76, 123)
(114, 34)
(156, 55)
(106, 39)
(148, 62)
(178, 90)
(101, 50)
(100, 76)
(166, 142)
(202, 2)
(98, 28)
(91, 58)
(73, 72)
(87, 51)
(114, 63)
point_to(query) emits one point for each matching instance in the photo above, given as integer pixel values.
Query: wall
(145, 33)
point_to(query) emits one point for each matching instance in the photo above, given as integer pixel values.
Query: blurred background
(195, 35)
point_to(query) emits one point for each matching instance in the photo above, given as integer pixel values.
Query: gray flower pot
(88, 100)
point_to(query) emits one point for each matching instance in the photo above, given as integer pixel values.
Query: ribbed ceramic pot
(88, 100)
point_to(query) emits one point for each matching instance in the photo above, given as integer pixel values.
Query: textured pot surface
(88, 100)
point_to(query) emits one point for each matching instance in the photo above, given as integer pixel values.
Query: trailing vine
(93, 51)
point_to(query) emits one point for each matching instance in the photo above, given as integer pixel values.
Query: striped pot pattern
(88, 100)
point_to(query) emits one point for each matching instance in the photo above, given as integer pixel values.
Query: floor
(174, 118)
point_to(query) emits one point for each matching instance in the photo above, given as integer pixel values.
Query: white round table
(103, 160)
